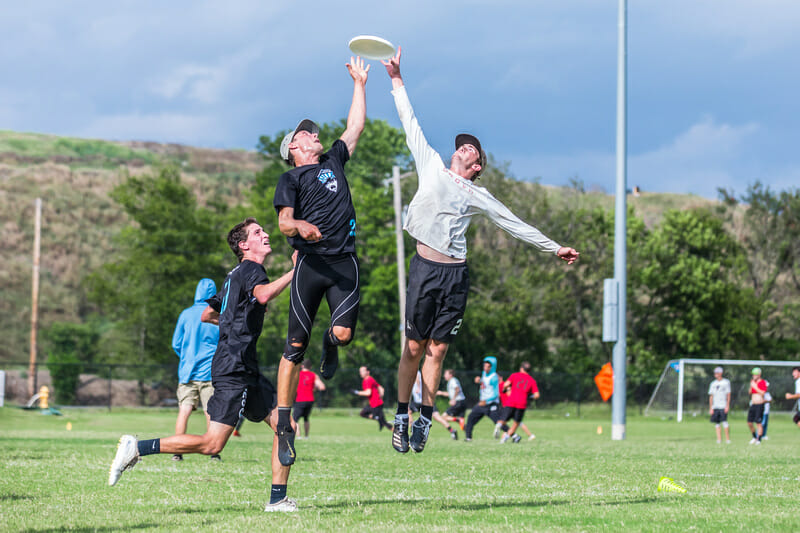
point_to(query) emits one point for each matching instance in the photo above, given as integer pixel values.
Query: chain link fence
(139, 385)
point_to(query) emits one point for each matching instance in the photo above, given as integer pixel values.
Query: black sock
(277, 493)
(284, 417)
(149, 447)
(426, 411)
(451, 430)
(402, 408)
(754, 435)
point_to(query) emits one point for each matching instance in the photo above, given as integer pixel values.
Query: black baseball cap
(466, 138)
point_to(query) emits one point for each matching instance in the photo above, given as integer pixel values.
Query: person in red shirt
(372, 389)
(519, 387)
(755, 415)
(307, 383)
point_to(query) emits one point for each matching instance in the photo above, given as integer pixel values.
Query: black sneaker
(454, 435)
(286, 453)
(215, 457)
(419, 435)
(400, 434)
(330, 358)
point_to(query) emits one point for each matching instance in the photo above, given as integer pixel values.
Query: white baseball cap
(304, 125)
(718, 369)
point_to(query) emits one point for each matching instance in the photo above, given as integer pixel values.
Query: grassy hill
(74, 177)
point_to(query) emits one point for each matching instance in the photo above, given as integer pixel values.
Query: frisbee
(371, 47)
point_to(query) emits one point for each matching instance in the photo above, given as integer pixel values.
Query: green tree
(70, 347)
(686, 300)
(172, 244)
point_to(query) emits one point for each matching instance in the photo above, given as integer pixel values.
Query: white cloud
(705, 156)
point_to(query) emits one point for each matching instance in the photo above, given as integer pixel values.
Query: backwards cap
(304, 125)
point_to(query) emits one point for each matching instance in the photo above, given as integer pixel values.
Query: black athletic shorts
(458, 409)
(796, 418)
(755, 413)
(302, 410)
(514, 413)
(249, 394)
(436, 299)
(376, 412)
(719, 415)
(333, 276)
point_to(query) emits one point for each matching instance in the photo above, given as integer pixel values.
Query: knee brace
(295, 354)
(716, 425)
(725, 424)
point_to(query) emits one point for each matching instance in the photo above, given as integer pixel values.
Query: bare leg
(719, 432)
(432, 370)
(288, 376)
(407, 370)
(727, 433)
(306, 426)
(183, 418)
(439, 418)
(210, 443)
(513, 428)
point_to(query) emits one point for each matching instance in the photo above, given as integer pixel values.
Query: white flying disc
(371, 47)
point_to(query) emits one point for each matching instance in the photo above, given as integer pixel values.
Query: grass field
(347, 477)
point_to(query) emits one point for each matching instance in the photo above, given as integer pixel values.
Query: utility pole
(35, 297)
(401, 253)
(619, 362)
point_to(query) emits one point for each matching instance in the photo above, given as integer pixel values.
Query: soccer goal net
(682, 389)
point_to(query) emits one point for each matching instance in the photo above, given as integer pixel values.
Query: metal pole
(401, 253)
(35, 297)
(618, 402)
(680, 389)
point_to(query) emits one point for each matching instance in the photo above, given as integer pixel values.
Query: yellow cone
(599, 430)
(666, 484)
(69, 426)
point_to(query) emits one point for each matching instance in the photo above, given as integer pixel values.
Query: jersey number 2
(454, 331)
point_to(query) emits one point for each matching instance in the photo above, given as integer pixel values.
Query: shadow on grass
(470, 506)
(146, 525)
(14, 497)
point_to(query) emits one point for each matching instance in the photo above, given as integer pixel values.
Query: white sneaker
(127, 456)
(284, 506)
(504, 439)
(532, 437)
(727, 441)
(758, 443)
(764, 438)
(497, 428)
(719, 442)
(753, 440)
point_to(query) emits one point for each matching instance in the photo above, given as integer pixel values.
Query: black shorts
(755, 413)
(796, 418)
(375, 412)
(250, 395)
(459, 409)
(719, 415)
(336, 277)
(436, 299)
(514, 413)
(302, 410)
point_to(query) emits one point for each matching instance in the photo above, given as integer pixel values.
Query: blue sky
(713, 85)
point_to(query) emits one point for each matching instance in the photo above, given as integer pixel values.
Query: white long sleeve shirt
(444, 204)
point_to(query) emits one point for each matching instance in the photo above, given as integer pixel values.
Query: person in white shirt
(438, 218)
(796, 395)
(719, 403)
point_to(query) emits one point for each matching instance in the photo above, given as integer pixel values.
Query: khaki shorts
(195, 393)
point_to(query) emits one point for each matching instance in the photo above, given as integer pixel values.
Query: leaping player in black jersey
(315, 211)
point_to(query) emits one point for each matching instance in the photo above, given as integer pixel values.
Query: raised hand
(393, 65)
(570, 255)
(357, 70)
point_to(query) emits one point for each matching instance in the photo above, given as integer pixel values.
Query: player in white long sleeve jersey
(438, 218)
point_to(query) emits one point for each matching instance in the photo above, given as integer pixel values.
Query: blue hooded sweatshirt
(194, 341)
(490, 382)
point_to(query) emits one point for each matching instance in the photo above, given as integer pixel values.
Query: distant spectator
(755, 415)
(719, 403)
(195, 343)
(307, 383)
(796, 395)
(374, 391)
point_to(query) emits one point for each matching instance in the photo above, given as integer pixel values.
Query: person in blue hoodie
(489, 399)
(194, 342)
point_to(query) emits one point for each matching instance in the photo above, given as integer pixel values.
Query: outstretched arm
(358, 109)
(265, 293)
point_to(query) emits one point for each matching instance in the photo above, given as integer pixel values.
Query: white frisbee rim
(373, 39)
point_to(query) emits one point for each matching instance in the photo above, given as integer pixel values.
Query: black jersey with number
(320, 195)
(241, 318)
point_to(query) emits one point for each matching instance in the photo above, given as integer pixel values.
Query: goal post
(683, 385)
